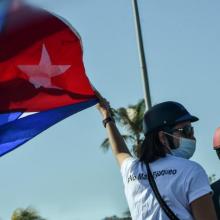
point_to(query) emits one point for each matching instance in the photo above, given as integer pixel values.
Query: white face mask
(186, 147)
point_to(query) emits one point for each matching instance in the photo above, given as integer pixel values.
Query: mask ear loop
(169, 137)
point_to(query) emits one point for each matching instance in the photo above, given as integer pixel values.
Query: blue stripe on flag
(8, 117)
(17, 132)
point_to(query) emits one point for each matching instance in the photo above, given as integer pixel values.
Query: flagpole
(147, 96)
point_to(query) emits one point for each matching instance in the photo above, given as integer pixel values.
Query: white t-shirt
(179, 182)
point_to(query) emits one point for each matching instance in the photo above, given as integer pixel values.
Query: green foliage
(126, 214)
(212, 178)
(117, 218)
(26, 214)
(130, 119)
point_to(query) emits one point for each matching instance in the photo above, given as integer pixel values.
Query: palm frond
(139, 110)
(106, 144)
(130, 119)
(127, 213)
(26, 214)
(128, 138)
(137, 147)
(122, 117)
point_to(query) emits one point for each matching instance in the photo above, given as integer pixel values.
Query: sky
(63, 173)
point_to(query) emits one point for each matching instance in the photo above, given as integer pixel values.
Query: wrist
(108, 120)
(106, 114)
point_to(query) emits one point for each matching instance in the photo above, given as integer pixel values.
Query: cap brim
(190, 118)
(194, 119)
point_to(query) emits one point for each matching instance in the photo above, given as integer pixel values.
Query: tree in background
(127, 216)
(130, 119)
(212, 178)
(26, 214)
(117, 218)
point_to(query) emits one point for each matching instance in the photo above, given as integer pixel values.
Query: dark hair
(151, 148)
(218, 152)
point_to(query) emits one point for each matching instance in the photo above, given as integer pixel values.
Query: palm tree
(26, 214)
(130, 119)
(127, 216)
(117, 218)
(212, 178)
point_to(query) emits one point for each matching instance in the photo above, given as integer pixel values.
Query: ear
(162, 138)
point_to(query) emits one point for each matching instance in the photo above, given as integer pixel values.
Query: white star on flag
(40, 75)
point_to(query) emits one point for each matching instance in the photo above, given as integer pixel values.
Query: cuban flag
(42, 76)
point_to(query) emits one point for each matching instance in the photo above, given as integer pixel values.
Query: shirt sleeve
(126, 167)
(197, 183)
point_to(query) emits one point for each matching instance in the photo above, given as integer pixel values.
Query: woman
(169, 143)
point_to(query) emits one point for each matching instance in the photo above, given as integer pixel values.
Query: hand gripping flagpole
(147, 96)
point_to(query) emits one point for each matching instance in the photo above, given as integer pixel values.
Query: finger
(97, 93)
(102, 100)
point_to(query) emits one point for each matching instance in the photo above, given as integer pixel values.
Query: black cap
(165, 114)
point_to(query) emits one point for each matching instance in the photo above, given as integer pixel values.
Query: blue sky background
(63, 172)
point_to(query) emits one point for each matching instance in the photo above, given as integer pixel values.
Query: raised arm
(118, 145)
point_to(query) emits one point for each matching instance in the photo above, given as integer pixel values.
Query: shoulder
(131, 165)
(196, 182)
(186, 169)
(195, 168)
(133, 171)
(185, 164)
(193, 177)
